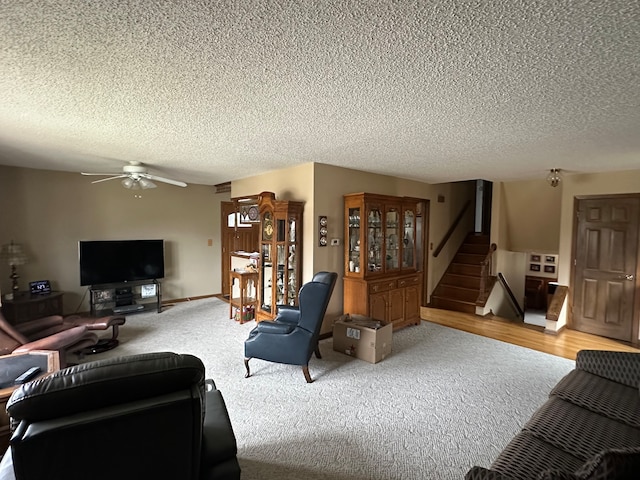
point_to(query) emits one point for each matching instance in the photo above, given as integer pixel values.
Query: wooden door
(606, 264)
(233, 239)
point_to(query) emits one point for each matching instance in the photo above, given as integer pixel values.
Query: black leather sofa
(588, 429)
(143, 416)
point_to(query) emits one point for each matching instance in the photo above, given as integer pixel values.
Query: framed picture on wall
(549, 269)
(549, 259)
(534, 267)
(535, 258)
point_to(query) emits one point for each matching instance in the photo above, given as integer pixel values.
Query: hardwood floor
(566, 344)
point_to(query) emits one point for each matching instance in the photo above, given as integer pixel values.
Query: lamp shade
(13, 254)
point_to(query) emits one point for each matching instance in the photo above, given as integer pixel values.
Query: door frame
(635, 329)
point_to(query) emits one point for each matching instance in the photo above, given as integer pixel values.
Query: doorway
(605, 275)
(235, 236)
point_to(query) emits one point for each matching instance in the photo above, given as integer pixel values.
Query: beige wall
(322, 187)
(532, 216)
(49, 212)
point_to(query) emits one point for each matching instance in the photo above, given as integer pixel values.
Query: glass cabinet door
(392, 239)
(375, 238)
(266, 278)
(292, 286)
(354, 240)
(408, 238)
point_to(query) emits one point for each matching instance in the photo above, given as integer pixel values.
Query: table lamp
(13, 254)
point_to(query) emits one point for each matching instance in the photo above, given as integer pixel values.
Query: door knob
(626, 276)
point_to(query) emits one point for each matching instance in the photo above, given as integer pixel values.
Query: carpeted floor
(443, 401)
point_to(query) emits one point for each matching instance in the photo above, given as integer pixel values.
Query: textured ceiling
(212, 91)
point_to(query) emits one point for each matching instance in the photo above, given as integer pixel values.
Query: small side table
(25, 306)
(10, 367)
(248, 283)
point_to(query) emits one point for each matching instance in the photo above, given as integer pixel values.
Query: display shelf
(125, 298)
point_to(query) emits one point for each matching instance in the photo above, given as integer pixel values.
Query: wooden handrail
(512, 297)
(452, 228)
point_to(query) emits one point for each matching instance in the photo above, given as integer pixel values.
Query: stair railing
(486, 273)
(452, 229)
(512, 297)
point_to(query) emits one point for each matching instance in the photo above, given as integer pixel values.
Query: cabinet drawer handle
(374, 288)
(403, 283)
(391, 285)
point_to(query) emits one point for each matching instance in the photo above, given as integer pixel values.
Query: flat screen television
(118, 261)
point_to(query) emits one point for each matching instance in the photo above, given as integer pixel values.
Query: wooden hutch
(280, 264)
(382, 271)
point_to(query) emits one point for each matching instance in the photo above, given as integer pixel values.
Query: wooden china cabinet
(280, 265)
(382, 275)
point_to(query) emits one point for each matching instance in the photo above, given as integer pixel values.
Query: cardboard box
(363, 338)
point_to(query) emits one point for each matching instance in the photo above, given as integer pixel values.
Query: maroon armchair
(46, 326)
(71, 340)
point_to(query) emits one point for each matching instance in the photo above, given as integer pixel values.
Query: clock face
(267, 229)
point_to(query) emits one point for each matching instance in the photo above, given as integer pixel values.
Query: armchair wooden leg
(318, 352)
(246, 365)
(305, 370)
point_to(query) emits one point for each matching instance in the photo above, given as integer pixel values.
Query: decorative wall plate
(253, 213)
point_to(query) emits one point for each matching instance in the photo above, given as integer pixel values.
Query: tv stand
(125, 298)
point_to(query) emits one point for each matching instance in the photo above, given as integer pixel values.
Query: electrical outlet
(335, 242)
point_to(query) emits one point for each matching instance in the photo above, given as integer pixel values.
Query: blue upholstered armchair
(293, 335)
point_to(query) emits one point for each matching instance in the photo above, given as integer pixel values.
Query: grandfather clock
(280, 252)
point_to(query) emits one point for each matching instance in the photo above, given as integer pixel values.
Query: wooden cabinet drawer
(382, 286)
(408, 281)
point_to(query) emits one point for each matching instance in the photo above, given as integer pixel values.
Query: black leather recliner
(293, 335)
(155, 412)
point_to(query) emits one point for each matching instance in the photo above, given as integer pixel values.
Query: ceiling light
(144, 183)
(554, 178)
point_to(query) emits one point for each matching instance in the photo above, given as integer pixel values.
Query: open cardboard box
(363, 337)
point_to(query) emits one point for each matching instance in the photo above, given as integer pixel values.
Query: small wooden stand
(248, 283)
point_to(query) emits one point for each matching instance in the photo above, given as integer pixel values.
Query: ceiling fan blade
(110, 178)
(165, 180)
(103, 174)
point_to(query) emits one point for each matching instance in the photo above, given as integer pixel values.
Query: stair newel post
(486, 272)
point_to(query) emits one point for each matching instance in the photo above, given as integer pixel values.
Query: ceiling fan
(135, 177)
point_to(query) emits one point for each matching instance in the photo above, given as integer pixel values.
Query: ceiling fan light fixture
(554, 177)
(128, 182)
(144, 183)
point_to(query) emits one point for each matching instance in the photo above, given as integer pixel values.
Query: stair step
(464, 281)
(477, 238)
(449, 304)
(474, 248)
(469, 258)
(464, 269)
(456, 293)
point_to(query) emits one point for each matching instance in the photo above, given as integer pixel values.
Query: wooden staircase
(459, 287)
